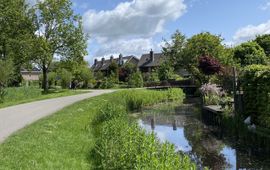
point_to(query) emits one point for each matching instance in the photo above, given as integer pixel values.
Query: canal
(206, 145)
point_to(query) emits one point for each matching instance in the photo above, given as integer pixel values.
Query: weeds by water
(125, 145)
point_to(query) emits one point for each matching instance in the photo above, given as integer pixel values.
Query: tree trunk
(45, 82)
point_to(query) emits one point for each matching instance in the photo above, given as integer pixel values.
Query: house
(103, 65)
(31, 75)
(151, 61)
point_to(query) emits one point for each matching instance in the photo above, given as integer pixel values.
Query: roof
(146, 62)
(102, 67)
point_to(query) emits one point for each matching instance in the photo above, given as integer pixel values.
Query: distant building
(151, 61)
(103, 65)
(31, 75)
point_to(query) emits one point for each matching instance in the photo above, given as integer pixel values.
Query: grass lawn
(61, 141)
(21, 95)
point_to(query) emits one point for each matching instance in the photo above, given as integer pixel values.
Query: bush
(135, 80)
(65, 78)
(256, 87)
(209, 65)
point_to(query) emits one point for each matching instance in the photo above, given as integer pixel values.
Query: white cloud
(126, 47)
(33, 2)
(137, 18)
(266, 6)
(249, 32)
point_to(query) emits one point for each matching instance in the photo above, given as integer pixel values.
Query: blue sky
(136, 26)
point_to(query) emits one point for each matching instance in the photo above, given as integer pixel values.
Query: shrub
(211, 94)
(256, 87)
(209, 65)
(135, 80)
(65, 78)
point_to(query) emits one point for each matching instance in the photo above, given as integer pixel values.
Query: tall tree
(58, 34)
(174, 49)
(264, 42)
(203, 44)
(16, 28)
(249, 53)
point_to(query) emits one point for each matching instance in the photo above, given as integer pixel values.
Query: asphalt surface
(16, 117)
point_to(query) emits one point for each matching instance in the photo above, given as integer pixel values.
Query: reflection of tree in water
(205, 148)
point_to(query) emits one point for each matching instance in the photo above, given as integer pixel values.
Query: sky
(134, 27)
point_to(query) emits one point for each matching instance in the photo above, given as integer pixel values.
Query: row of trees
(36, 35)
(204, 54)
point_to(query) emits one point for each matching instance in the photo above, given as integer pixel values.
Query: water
(206, 145)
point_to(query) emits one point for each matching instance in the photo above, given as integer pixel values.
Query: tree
(264, 42)
(203, 44)
(165, 71)
(58, 33)
(174, 49)
(126, 70)
(249, 53)
(16, 28)
(135, 80)
(6, 71)
(209, 65)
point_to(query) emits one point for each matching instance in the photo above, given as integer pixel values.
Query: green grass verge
(65, 140)
(21, 95)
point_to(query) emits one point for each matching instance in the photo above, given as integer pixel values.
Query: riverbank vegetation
(95, 133)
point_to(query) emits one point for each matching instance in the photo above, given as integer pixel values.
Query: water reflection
(204, 144)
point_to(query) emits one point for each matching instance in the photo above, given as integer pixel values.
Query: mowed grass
(61, 141)
(19, 95)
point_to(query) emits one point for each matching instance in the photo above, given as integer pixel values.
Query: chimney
(111, 59)
(120, 62)
(102, 60)
(152, 55)
(95, 62)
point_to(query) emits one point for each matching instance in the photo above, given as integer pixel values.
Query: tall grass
(124, 145)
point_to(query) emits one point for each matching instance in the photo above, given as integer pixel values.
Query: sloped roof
(145, 60)
(102, 67)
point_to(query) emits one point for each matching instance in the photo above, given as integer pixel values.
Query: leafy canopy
(249, 53)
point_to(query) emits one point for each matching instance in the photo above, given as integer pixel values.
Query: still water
(206, 145)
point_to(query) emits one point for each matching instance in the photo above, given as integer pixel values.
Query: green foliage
(256, 87)
(264, 42)
(84, 74)
(124, 145)
(110, 82)
(204, 44)
(174, 50)
(52, 79)
(65, 78)
(108, 111)
(16, 31)
(6, 70)
(18, 95)
(135, 80)
(249, 53)
(126, 70)
(165, 71)
(113, 68)
(63, 35)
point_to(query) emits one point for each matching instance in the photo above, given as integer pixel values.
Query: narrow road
(16, 117)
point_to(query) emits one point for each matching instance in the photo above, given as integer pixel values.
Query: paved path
(16, 117)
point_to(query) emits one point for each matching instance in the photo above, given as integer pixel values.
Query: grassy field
(66, 139)
(21, 95)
